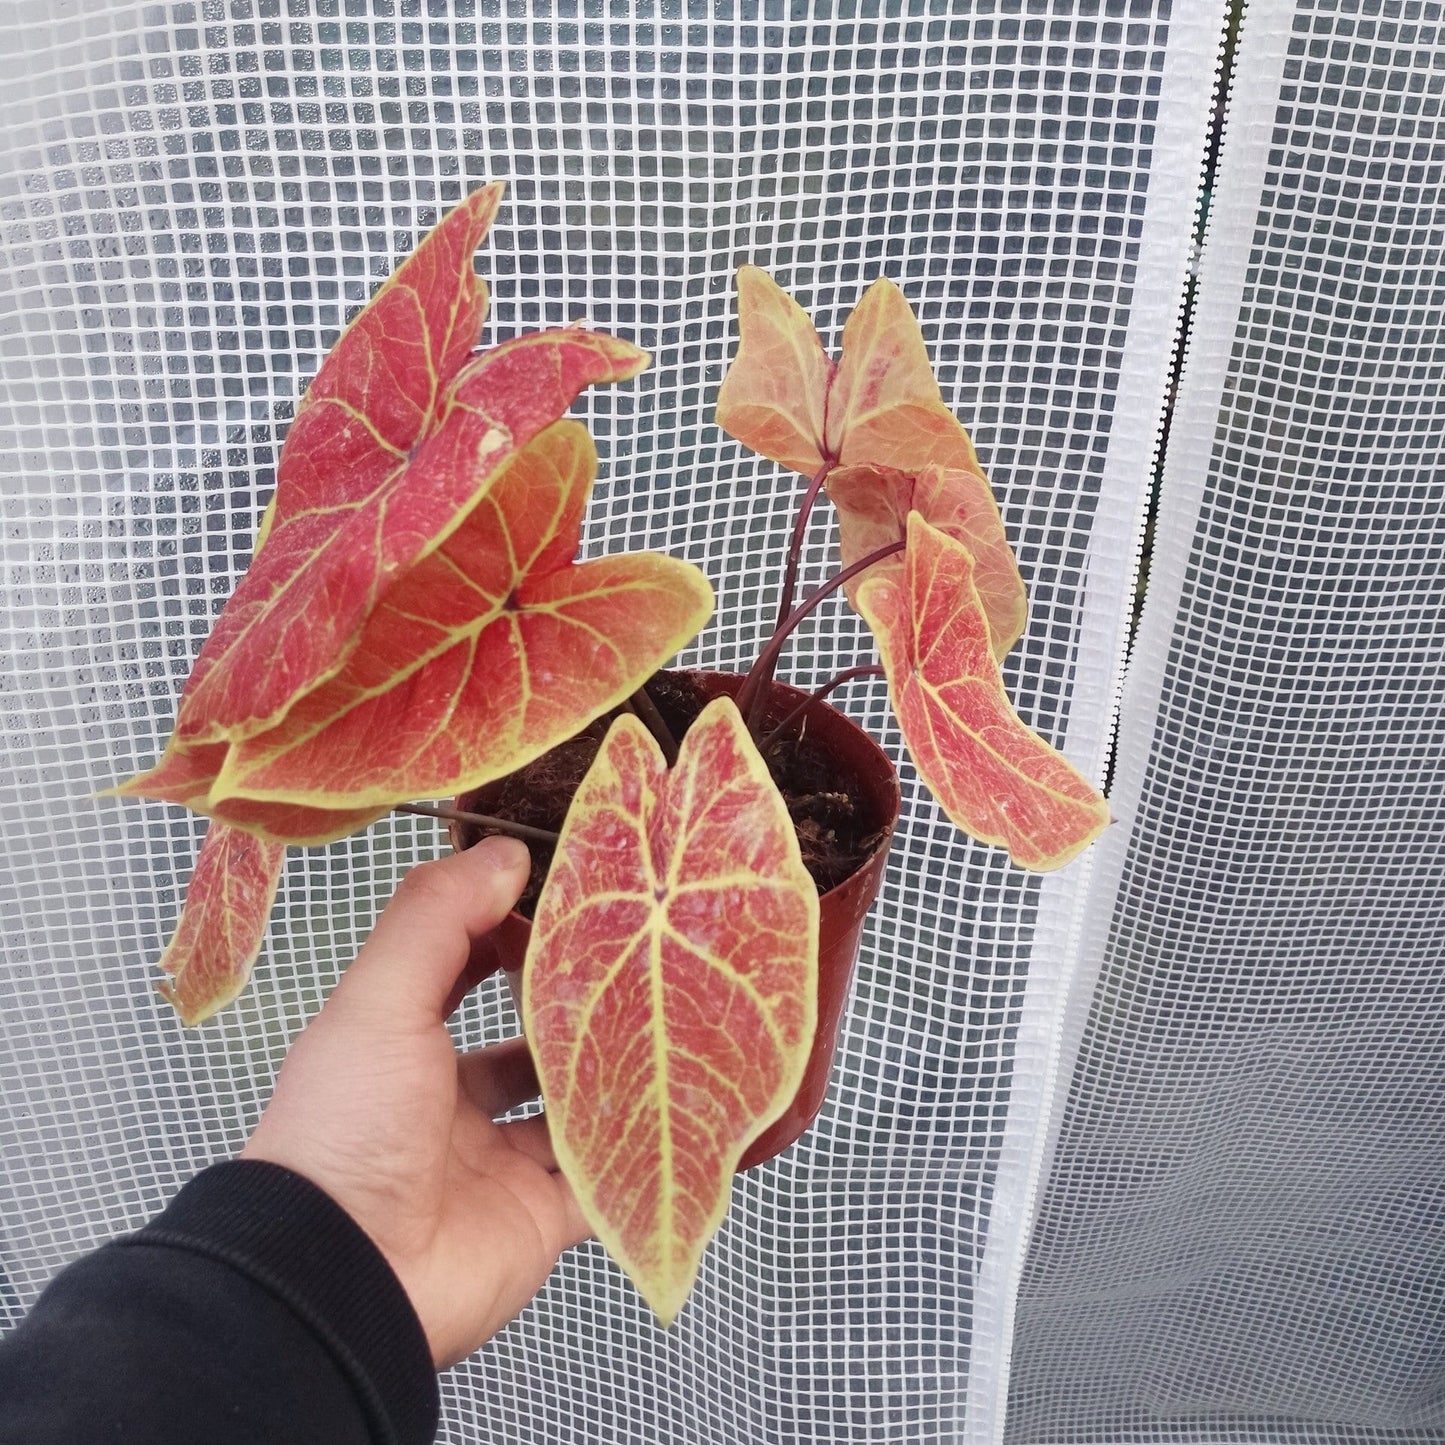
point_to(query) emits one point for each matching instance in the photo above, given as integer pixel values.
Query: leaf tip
(138, 786)
(482, 205)
(884, 286)
(191, 1018)
(634, 365)
(666, 1303)
(195, 1008)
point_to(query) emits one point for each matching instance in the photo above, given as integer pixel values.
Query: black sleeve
(253, 1311)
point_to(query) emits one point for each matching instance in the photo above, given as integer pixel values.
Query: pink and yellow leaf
(305, 599)
(491, 651)
(885, 407)
(210, 956)
(879, 407)
(994, 777)
(774, 394)
(873, 505)
(387, 454)
(669, 991)
(376, 397)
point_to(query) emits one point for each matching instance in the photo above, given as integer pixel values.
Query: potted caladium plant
(413, 625)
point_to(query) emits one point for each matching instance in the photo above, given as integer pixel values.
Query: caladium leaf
(398, 435)
(486, 654)
(669, 991)
(507, 394)
(775, 393)
(873, 505)
(993, 777)
(375, 399)
(215, 944)
(299, 610)
(879, 406)
(187, 775)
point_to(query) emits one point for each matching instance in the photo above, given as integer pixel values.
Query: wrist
(292, 1238)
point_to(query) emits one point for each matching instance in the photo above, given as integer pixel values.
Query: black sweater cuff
(291, 1238)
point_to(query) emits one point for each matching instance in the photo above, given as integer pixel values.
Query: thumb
(419, 948)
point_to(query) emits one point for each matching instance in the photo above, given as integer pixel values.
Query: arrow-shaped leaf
(994, 777)
(298, 611)
(774, 394)
(670, 988)
(879, 405)
(209, 958)
(489, 652)
(502, 398)
(376, 398)
(873, 505)
(885, 407)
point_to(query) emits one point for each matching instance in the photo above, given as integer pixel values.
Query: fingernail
(504, 854)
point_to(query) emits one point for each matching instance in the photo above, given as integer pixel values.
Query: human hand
(374, 1105)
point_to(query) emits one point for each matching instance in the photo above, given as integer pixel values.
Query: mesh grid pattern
(1240, 1237)
(194, 200)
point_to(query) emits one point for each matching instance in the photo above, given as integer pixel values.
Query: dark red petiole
(754, 687)
(867, 669)
(478, 820)
(795, 544)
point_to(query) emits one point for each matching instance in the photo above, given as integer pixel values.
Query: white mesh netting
(196, 196)
(1240, 1233)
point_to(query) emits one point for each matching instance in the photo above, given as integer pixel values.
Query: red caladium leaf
(187, 776)
(486, 654)
(873, 505)
(993, 777)
(507, 394)
(670, 988)
(376, 397)
(219, 935)
(878, 406)
(398, 435)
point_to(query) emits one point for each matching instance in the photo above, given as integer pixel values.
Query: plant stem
(795, 545)
(868, 669)
(479, 820)
(642, 705)
(794, 562)
(750, 696)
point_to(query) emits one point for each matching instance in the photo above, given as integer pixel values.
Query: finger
(423, 940)
(532, 1138)
(485, 959)
(499, 1078)
(574, 1225)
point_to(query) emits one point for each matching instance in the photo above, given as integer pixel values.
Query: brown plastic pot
(841, 910)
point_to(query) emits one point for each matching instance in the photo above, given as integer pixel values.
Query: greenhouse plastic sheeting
(1240, 1233)
(1146, 1149)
